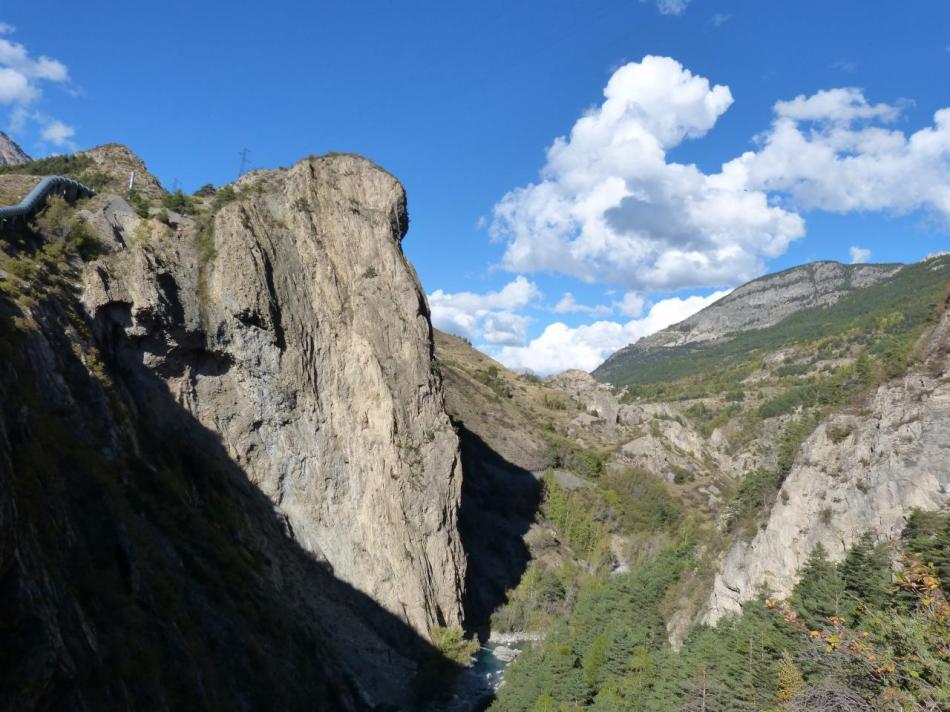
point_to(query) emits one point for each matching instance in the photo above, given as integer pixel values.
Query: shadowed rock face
(227, 478)
(305, 342)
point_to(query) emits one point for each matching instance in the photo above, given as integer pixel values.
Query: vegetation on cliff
(853, 636)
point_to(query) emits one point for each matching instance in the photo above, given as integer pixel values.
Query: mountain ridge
(757, 304)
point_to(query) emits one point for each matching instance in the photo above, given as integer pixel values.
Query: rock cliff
(10, 153)
(235, 431)
(305, 343)
(858, 472)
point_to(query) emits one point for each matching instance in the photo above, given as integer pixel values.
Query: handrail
(71, 189)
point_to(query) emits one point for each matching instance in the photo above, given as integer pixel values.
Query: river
(476, 685)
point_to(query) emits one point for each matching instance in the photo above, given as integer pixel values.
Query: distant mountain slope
(10, 152)
(755, 306)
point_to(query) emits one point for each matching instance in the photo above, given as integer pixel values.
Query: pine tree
(927, 536)
(621, 648)
(562, 677)
(790, 679)
(545, 703)
(820, 591)
(642, 670)
(866, 576)
(594, 659)
(611, 698)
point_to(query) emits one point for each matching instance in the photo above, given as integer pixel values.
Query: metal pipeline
(51, 185)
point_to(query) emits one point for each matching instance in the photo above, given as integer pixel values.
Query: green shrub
(491, 378)
(553, 403)
(640, 501)
(793, 436)
(22, 268)
(83, 240)
(95, 179)
(583, 461)
(453, 645)
(223, 196)
(140, 204)
(205, 191)
(681, 475)
(756, 490)
(180, 203)
(570, 513)
(71, 165)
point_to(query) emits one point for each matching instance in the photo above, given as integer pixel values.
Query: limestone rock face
(854, 474)
(304, 341)
(10, 153)
(594, 396)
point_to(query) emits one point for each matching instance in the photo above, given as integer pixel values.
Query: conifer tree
(866, 576)
(927, 535)
(562, 676)
(790, 680)
(594, 659)
(820, 591)
(621, 648)
(545, 703)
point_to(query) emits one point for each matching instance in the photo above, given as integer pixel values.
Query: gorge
(240, 469)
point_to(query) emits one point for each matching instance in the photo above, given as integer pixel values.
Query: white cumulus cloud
(835, 151)
(609, 207)
(58, 133)
(569, 305)
(859, 255)
(491, 317)
(671, 7)
(837, 105)
(560, 347)
(631, 305)
(21, 86)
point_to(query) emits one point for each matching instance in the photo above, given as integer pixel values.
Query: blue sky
(635, 218)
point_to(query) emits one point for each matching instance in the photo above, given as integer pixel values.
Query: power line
(245, 162)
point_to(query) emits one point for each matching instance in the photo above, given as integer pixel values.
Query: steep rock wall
(855, 473)
(304, 341)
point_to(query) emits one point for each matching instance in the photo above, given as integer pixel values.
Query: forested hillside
(853, 636)
(645, 488)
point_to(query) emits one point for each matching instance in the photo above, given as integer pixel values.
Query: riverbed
(476, 686)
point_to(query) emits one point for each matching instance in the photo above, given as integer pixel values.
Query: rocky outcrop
(115, 165)
(227, 477)
(597, 398)
(755, 305)
(855, 473)
(305, 343)
(10, 153)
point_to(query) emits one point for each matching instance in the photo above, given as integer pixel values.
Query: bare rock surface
(305, 343)
(227, 475)
(596, 397)
(10, 153)
(855, 473)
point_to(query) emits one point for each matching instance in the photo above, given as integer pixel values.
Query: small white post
(131, 180)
